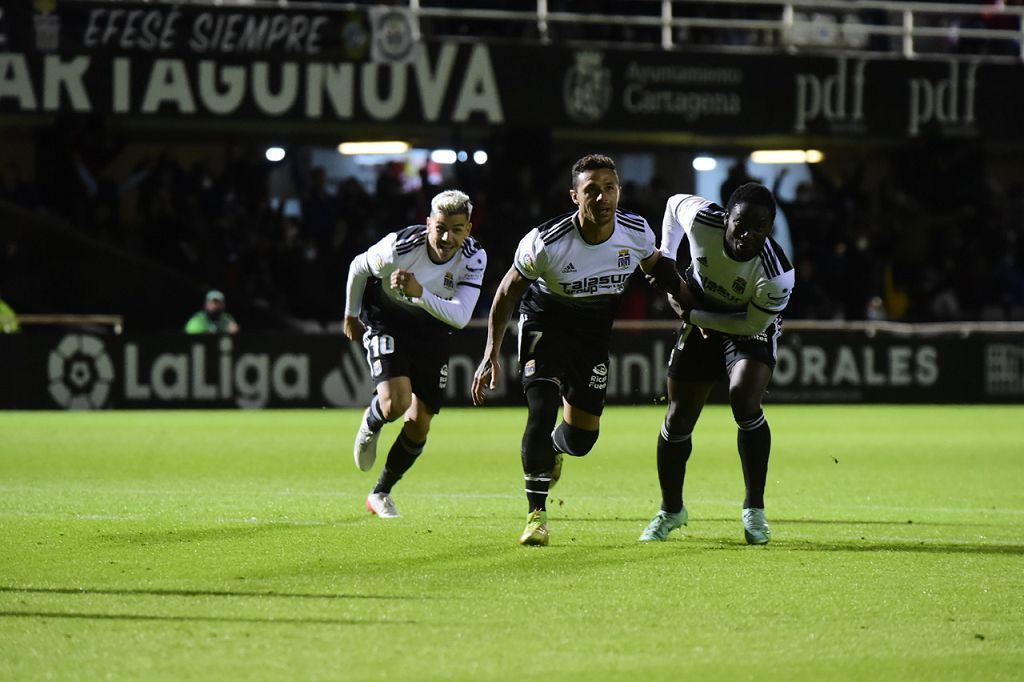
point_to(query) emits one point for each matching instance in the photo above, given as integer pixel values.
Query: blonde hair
(451, 202)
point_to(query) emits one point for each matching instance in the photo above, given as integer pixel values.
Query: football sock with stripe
(673, 452)
(402, 456)
(375, 419)
(754, 441)
(537, 450)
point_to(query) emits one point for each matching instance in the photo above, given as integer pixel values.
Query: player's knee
(394, 406)
(573, 440)
(416, 430)
(744, 403)
(677, 422)
(543, 399)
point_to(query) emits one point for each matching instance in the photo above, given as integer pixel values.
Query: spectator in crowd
(213, 318)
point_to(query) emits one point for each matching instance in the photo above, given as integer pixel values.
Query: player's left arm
(769, 300)
(457, 310)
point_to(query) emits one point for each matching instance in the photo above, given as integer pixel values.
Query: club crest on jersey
(625, 260)
(449, 280)
(739, 285)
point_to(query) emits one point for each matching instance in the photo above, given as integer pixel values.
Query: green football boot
(536, 531)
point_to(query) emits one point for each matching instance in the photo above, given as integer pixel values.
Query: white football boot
(755, 527)
(382, 505)
(365, 449)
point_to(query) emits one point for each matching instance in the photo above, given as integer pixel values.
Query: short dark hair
(591, 162)
(752, 193)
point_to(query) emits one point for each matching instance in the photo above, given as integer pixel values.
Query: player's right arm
(528, 264)
(512, 287)
(371, 262)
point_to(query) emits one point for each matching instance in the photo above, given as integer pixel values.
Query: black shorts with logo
(393, 352)
(575, 360)
(696, 358)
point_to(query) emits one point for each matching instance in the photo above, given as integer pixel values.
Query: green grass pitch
(235, 545)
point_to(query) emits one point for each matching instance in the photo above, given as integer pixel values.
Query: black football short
(696, 358)
(574, 360)
(424, 360)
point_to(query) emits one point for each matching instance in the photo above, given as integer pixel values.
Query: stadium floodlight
(787, 156)
(274, 154)
(444, 156)
(704, 163)
(480, 157)
(383, 147)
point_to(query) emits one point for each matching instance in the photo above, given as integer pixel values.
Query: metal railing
(912, 30)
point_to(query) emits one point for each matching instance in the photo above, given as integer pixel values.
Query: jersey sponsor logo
(449, 280)
(376, 368)
(739, 285)
(712, 287)
(599, 377)
(569, 268)
(530, 368)
(443, 379)
(703, 260)
(592, 285)
(625, 259)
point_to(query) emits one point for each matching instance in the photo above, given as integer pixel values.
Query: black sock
(754, 441)
(375, 419)
(673, 451)
(537, 490)
(401, 457)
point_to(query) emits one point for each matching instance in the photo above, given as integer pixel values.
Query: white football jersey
(451, 289)
(765, 281)
(573, 276)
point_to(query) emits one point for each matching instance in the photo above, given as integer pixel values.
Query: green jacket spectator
(213, 318)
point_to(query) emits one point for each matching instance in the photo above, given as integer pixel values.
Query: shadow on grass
(122, 592)
(138, 617)
(867, 545)
(226, 531)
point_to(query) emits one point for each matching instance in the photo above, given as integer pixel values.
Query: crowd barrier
(817, 363)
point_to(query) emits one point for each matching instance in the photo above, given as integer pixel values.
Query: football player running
(567, 277)
(740, 281)
(405, 296)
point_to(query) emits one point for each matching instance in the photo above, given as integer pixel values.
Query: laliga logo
(80, 373)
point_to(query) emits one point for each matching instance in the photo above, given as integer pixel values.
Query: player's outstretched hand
(485, 377)
(354, 328)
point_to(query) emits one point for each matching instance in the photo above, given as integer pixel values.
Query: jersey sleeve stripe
(408, 246)
(554, 235)
(632, 221)
(469, 284)
(470, 247)
(709, 220)
(780, 255)
(557, 224)
(769, 264)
